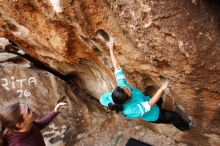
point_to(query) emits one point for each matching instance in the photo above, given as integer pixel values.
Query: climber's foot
(186, 127)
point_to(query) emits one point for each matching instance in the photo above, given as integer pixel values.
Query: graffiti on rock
(18, 85)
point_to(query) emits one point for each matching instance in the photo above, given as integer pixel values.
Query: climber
(18, 125)
(134, 104)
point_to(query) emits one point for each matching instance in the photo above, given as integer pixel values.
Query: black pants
(170, 117)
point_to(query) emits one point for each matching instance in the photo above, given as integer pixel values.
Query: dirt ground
(116, 130)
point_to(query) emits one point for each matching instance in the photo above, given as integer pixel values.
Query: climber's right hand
(110, 44)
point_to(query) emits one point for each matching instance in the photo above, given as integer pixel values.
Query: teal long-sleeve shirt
(137, 106)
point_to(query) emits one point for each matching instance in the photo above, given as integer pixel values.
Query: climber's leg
(170, 117)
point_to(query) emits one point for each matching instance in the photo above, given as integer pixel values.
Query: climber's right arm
(157, 95)
(115, 62)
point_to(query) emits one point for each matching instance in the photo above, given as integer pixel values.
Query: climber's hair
(9, 117)
(115, 107)
(119, 97)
